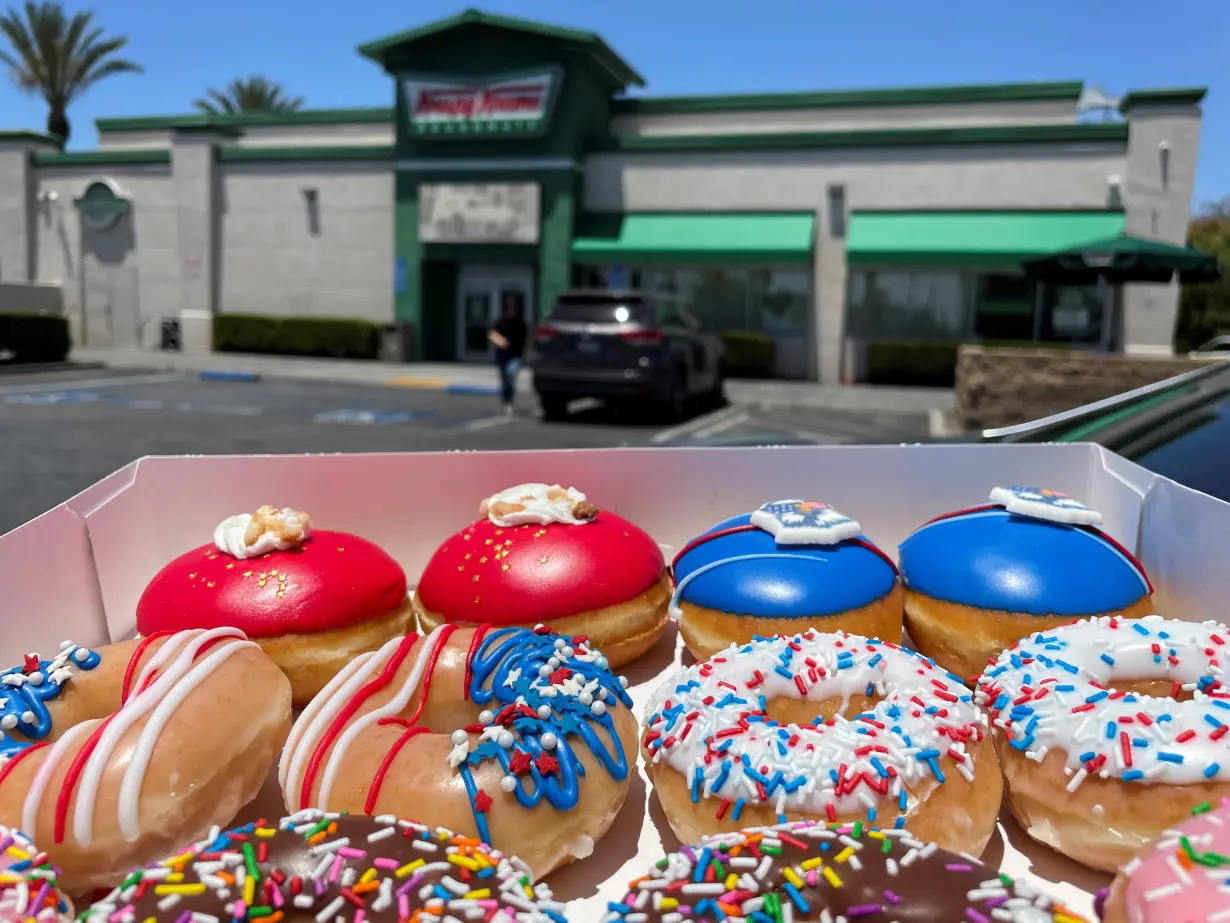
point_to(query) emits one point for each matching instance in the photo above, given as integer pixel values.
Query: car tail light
(642, 337)
(545, 334)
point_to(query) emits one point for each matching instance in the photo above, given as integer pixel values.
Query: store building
(514, 163)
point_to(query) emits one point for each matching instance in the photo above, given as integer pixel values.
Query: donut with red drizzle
(977, 580)
(788, 566)
(158, 740)
(522, 738)
(312, 599)
(545, 554)
(806, 871)
(333, 867)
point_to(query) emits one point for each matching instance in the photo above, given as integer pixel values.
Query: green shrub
(929, 363)
(34, 337)
(335, 338)
(748, 355)
(1204, 310)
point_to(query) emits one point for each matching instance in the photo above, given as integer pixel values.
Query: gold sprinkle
(461, 567)
(540, 533)
(482, 560)
(340, 548)
(505, 566)
(247, 573)
(507, 542)
(487, 542)
(499, 531)
(274, 573)
(264, 576)
(281, 593)
(192, 576)
(468, 556)
(543, 559)
(231, 566)
(210, 584)
(475, 578)
(466, 537)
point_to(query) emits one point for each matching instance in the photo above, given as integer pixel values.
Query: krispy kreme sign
(507, 105)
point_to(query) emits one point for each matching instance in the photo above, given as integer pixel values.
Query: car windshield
(597, 310)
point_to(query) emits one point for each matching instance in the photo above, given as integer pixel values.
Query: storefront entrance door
(482, 291)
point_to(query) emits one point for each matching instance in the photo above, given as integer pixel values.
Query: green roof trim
(698, 237)
(955, 94)
(146, 156)
(283, 154)
(1164, 96)
(895, 137)
(364, 116)
(383, 50)
(970, 239)
(35, 137)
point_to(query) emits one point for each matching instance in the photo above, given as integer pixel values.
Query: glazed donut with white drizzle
(113, 757)
(517, 736)
(1110, 731)
(830, 727)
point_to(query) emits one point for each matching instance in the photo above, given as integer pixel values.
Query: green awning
(703, 237)
(972, 240)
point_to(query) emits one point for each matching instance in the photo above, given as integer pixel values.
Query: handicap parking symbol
(365, 417)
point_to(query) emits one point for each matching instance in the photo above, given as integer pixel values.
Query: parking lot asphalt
(62, 431)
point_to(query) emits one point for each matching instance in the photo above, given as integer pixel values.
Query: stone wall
(1001, 387)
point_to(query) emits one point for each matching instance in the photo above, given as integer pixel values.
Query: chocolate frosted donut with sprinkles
(334, 867)
(785, 567)
(802, 872)
(1181, 876)
(1110, 731)
(828, 727)
(977, 580)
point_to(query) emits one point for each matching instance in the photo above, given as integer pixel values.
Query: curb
(31, 368)
(221, 375)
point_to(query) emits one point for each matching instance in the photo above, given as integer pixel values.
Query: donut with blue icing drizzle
(1111, 731)
(787, 566)
(977, 580)
(520, 737)
(825, 727)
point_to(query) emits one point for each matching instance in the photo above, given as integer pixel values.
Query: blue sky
(682, 47)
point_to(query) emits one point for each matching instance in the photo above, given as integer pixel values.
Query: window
(890, 304)
(1005, 307)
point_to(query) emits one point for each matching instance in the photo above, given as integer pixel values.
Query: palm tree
(250, 94)
(59, 57)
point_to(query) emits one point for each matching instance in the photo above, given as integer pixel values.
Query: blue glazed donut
(979, 579)
(781, 569)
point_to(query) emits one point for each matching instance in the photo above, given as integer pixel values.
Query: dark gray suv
(624, 346)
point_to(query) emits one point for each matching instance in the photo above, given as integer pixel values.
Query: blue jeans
(508, 377)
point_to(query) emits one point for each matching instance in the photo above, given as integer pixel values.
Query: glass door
(476, 320)
(483, 294)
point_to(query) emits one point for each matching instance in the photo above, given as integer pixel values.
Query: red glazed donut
(545, 555)
(313, 600)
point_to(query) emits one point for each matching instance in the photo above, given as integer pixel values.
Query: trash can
(396, 342)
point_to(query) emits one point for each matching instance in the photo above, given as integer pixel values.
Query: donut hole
(1157, 688)
(806, 711)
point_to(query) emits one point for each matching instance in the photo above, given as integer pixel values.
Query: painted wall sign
(101, 206)
(506, 213)
(513, 104)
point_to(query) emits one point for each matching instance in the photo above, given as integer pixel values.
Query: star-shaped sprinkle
(519, 762)
(546, 764)
(482, 801)
(559, 676)
(32, 664)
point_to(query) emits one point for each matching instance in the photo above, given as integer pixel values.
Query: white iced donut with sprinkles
(828, 727)
(1110, 731)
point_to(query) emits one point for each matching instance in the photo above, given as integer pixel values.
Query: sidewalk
(461, 378)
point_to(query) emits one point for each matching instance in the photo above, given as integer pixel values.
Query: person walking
(508, 336)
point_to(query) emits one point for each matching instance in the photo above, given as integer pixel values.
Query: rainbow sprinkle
(809, 871)
(29, 883)
(336, 868)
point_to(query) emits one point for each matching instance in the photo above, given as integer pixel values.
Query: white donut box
(77, 571)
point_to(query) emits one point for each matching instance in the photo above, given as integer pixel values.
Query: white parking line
(90, 383)
(489, 422)
(722, 426)
(694, 426)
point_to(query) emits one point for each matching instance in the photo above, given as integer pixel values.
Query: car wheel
(554, 406)
(675, 407)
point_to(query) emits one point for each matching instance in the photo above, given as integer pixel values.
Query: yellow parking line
(412, 381)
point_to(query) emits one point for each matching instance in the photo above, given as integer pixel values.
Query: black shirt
(512, 329)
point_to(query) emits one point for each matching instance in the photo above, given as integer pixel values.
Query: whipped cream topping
(538, 504)
(250, 535)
